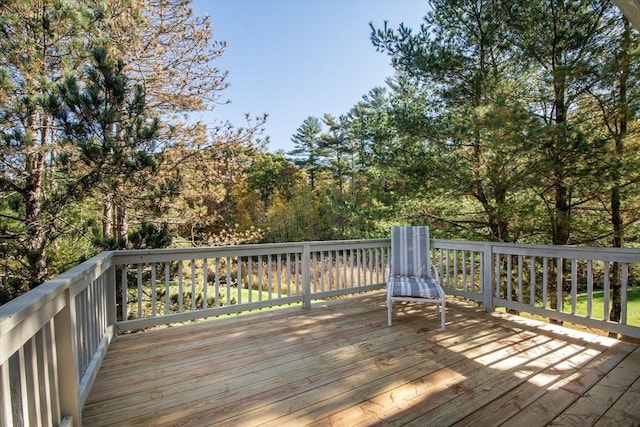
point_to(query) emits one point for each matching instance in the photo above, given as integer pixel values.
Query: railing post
(306, 276)
(487, 277)
(67, 360)
(112, 308)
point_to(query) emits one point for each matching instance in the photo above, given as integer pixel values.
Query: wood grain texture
(339, 364)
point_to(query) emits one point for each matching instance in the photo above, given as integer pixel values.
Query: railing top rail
(176, 254)
(15, 311)
(458, 244)
(552, 251)
(30, 306)
(567, 251)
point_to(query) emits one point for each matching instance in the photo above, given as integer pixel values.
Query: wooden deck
(339, 364)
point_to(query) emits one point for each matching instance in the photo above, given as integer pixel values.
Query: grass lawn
(633, 305)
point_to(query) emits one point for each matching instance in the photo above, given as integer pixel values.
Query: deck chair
(409, 277)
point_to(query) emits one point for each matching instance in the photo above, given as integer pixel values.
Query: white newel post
(487, 277)
(112, 307)
(67, 360)
(306, 276)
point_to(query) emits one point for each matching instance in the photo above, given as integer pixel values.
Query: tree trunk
(616, 214)
(107, 217)
(122, 224)
(36, 241)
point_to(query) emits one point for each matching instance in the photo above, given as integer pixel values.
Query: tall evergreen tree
(68, 115)
(308, 152)
(40, 43)
(561, 43)
(472, 129)
(617, 101)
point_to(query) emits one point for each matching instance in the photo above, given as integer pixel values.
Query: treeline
(508, 121)
(511, 121)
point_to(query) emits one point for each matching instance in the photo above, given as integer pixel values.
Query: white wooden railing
(52, 341)
(54, 338)
(175, 285)
(542, 280)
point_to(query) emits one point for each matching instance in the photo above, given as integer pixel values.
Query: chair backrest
(410, 251)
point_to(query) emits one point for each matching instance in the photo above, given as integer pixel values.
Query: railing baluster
(301, 264)
(50, 398)
(359, 265)
(370, 267)
(589, 287)
(352, 267)
(205, 284)
(379, 265)
(447, 278)
(239, 278)
(269, 276)
(606, 289)
(24, 385)
(288, 274)
(180, 288)
(139, 288)
(465, 285)
(472, 272)
(32, 358)
(456, 273)
(559, 285)
(167, 289)
(228, 283)
(497, 284)
(153, 290)
(5, 387)
(322, 268)
(545, 281)
(532, 281)
(574, 285)
(249, 280)
(279, 272)
(124, 285)
(331, 271)
(193, 284)
(520, 290)
(623, 292)
(260, 278)
(508, 272)
(216, 282)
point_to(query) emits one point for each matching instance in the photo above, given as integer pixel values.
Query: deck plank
(338, 363)
(592, 405)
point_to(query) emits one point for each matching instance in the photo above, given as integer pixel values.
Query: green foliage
(493, 127)
(305, 217)
(269, 173)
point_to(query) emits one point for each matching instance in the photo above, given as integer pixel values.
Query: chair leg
(442, 316)
(389, 311)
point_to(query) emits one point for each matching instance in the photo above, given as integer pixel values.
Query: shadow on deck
(339, 364)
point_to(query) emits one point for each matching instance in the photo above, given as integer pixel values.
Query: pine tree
(561, 43)
(41, 43)
(463, 131)
(308, 153)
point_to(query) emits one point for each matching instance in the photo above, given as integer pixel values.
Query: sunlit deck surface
(339, 364)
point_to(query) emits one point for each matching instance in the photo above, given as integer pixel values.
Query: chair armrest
(436, 276)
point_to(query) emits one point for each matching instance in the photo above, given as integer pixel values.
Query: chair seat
(417, 287)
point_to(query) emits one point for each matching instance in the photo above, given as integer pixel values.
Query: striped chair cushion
(410, 251)
(415, 287)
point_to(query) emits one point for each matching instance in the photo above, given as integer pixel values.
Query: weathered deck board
(339, 364)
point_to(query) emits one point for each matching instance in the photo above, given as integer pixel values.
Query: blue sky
(298, 58)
